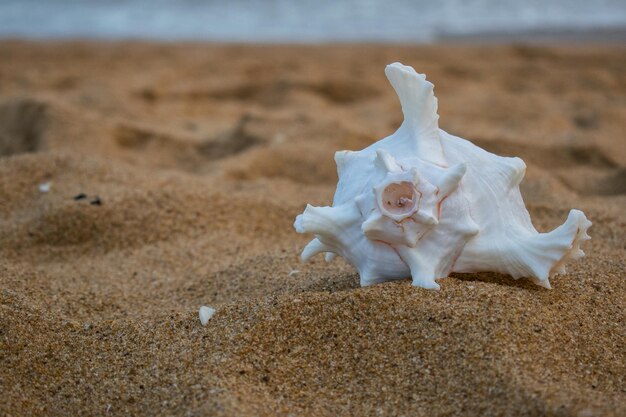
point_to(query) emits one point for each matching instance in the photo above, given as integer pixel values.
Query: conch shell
(425, 203)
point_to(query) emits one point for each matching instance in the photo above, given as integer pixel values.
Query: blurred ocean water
(303, 20)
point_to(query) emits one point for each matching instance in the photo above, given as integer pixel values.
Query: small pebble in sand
(80, 196)
(96, 201)
(45, 187)
(205, 314)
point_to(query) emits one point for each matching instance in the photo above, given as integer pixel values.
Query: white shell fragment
(424, 203)
(205, 314)
(45, 187)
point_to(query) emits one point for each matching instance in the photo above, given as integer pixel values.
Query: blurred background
(311, 21)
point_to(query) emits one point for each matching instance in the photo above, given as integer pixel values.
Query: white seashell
(425, 203)
(205, 314)
(45, 187)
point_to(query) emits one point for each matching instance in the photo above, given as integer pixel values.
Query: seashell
(424, 203)
(205, 313)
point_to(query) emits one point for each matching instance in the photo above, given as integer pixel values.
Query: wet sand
(175, 173)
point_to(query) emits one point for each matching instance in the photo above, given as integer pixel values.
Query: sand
(175, 173)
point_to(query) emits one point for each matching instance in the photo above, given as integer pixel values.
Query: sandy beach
(140, 181)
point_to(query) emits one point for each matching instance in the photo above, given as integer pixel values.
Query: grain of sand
(201, 156)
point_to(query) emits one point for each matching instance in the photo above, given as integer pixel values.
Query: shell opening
(399, 198)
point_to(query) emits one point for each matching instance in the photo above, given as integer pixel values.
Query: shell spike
(323, 220)
(313, 248)
(341, 158)
(417, 98)
(517, 169)
(388, 162)
(422, 271)
(419, 132)
(543, 283)
(451, 179)
(330, 256)
(425, 218)
(545, 254)
(368, 277)
(328, 224)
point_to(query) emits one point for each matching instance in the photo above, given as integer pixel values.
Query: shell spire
(417, 97)
(419, 106)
